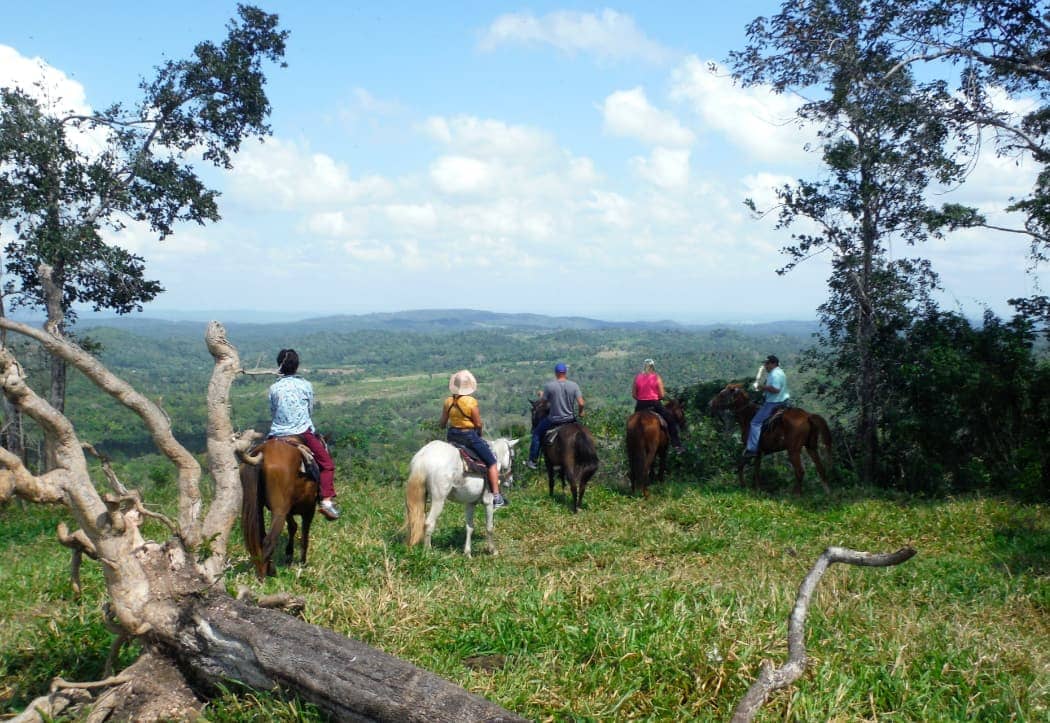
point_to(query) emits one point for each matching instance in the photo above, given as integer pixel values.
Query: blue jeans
(537, 437)
(470, 439)
(761, 415)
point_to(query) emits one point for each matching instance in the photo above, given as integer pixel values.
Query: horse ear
(512, 442)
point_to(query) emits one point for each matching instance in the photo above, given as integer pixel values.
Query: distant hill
(420, 320)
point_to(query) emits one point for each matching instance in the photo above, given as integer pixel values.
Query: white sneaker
(531, 465)
(329, 510)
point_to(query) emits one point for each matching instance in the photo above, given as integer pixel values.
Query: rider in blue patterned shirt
(291, 404)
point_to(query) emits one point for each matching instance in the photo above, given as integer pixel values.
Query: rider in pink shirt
(647, 391)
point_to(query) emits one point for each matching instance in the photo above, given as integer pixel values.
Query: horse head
(540, 407)
(677, 409)
(731, 397)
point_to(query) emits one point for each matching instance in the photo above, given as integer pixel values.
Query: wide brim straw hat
(462, 382)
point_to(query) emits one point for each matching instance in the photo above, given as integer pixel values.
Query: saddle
(472, 463)
(308, 466)
(552, 433)
(774, 419)
(659, 417)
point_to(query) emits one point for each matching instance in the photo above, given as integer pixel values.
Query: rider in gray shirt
(565, 400)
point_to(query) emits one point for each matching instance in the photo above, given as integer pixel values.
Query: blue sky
(559, 158)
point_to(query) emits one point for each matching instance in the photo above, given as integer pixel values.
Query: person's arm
(475, 417)
(660, 386)
(444, 415)
(634, 388)
(579, 404)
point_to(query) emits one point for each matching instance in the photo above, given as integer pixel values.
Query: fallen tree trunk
(221, 639)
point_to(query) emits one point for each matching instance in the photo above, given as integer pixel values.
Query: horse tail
(820, 432)
(252, 511)
(586, 455)
(415, 501)
(636, 450)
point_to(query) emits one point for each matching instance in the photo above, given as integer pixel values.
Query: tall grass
(658, 609)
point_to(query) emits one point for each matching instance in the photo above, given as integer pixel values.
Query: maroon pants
(324, 462)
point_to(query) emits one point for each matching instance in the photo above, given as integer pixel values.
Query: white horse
(437, 472)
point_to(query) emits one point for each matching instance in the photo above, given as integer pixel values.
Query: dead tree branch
(769, 679)
(156, 422)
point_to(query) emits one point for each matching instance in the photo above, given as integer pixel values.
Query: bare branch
(107, 468)
(81, 545)
(769, 679)
(17, 481)
(153, 417)
(222, 446)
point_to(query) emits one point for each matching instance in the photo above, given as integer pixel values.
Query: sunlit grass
(631, 610)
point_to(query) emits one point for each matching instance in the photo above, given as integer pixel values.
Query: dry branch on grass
(771, 679)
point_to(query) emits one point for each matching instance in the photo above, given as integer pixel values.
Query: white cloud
(280, 173)
(666, 167)
(756, 120)
(488, 138)
(629, 113)
(56, 91)
(608, 35)
(460, 174)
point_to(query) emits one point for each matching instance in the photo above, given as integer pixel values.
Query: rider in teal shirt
(776, 394)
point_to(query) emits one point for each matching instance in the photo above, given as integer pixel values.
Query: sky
(551, 157)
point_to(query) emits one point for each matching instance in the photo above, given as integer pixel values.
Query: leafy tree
(65, 180)
(993, 44)
(884, 141)
(969, 408)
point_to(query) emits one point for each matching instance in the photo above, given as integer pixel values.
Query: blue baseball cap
(560, 368)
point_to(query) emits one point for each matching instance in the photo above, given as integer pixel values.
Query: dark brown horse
(271, 476)
(571, 452)
(647, 442)
(793, 430)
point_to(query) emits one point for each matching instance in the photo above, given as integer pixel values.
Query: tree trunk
(218, 639)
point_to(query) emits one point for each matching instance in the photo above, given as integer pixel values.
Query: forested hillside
(379, 387)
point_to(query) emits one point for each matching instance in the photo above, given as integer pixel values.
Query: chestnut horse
(571, 452)
(793, 430)
(647, 442)
(271, 476)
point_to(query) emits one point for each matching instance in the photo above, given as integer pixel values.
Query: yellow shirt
(459, 411)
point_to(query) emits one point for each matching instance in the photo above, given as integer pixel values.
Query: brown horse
(793, 430)
(271, 476)
(647, 442)
(571, 452)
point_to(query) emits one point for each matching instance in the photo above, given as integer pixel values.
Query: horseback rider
(291, 404)
(775, 395)
(463, 419)
(564, 399)
(648, 391)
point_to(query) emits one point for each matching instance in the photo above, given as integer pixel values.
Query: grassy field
(632, 610)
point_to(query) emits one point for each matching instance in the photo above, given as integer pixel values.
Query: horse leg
(741, 463)
(757, 479)
(490, 530)
(436, 505)
(795, 456)
(289, 549)
(469, 514)
(814, 454)
(308, 517)
(277, 522)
